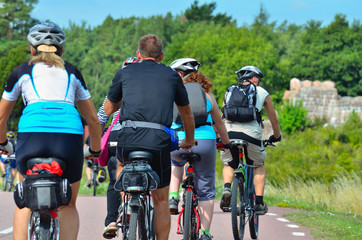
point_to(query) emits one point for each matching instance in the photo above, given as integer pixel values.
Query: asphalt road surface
(92, 211)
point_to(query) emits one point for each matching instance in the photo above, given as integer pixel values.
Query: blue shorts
(12, 162)
(204, 169)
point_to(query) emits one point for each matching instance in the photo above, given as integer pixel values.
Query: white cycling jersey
(49, 94)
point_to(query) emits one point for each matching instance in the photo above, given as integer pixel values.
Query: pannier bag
(45, 191)
(137, 174)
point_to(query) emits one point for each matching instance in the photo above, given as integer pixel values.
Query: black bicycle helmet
(248, 72)
(46, 34)
(186, 64)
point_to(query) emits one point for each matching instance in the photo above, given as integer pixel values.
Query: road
(92, 211)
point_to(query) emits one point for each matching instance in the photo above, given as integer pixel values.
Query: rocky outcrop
(322, 101)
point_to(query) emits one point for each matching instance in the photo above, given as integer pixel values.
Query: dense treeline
(310, 51)
(283, 51)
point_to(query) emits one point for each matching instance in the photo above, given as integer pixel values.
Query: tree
(204, 12)
(15, 17)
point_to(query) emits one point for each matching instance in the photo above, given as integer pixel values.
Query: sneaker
(261, 209)
(120, 221)
(225, 198)
(173, 205)
(205, 236)
(110, 231)
(89, 184)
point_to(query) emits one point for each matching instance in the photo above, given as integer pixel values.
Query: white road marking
(292, 226)
(282, 219)
(271, 214)
(6, 231)
(299, 234)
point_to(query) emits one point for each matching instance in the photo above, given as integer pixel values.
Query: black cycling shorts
(161, 162)
(68, 147)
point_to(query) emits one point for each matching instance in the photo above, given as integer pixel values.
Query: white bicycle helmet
(186, 64)
(46, 33)
(248, 72)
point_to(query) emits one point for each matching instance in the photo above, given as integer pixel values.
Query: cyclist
(113, 197)
(147, 91)
(50, 124)
(206, 148)
(252, 133)
(6, 157)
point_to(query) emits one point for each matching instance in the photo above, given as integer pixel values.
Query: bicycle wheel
(238, 207)
(187, 218)
(94, 182)
(42, 226)
(9, 180)
(253, 218)
(137, 219)
(150, 216)
(4, 183)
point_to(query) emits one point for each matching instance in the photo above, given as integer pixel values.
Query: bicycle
(243, 199)
(136, 181)
(43, 191)
(8, 177)
(189, 227)
(95, 175)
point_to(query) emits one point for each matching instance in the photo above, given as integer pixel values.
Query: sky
(93, 12)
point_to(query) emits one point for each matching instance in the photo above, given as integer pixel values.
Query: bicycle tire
(4, 184)
(132, 231)
(253, 218)
(142, 230)
(9, 180)
(151, 219)
(238, 207)
(5, 179)
(187, 231)
(94, 182)
(40, 226)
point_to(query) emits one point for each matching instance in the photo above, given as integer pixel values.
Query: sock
(227, 185)
(173, 195)
(205, 231)
(259, 200)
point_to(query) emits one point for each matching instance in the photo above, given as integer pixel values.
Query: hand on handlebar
(90, 154)
(7, 148)
(187, 145)
(272, 139)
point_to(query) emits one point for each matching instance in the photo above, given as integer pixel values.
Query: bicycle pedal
(226, 209)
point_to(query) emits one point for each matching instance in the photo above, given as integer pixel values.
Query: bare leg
(259, 180)
(206, 212)
(176, 176)
(228, 174)
(162, 213)
(69, 218)
(21, 221)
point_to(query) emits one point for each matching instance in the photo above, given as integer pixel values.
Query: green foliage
(317, 153)
(292, 117)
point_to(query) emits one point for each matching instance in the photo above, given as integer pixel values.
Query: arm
(189, 126)
(111, 107)
(6, 107)
(219, 125)
(88, 110)
(272, 115)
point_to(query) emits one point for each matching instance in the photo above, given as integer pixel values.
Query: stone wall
(322, 101)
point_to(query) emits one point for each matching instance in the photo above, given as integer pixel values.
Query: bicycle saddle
(140, 155)
(32, 161)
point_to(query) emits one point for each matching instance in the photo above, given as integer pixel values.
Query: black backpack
(197, 98)
(239, 103)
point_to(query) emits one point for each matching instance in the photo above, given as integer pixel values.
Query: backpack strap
(141, 124)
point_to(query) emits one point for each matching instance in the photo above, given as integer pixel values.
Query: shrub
(292, 117)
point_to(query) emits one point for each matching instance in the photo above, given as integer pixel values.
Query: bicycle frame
(190, 217)
(138, 198)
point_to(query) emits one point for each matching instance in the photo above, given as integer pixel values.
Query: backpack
(197, 98)
(239, 104)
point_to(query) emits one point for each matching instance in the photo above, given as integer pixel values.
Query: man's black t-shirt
(149, 90)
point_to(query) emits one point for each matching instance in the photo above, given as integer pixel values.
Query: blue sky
(94, 12)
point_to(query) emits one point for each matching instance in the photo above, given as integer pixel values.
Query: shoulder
(261, 91)
(16, 74)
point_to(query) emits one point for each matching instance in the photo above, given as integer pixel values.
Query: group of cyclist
(143, 96)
